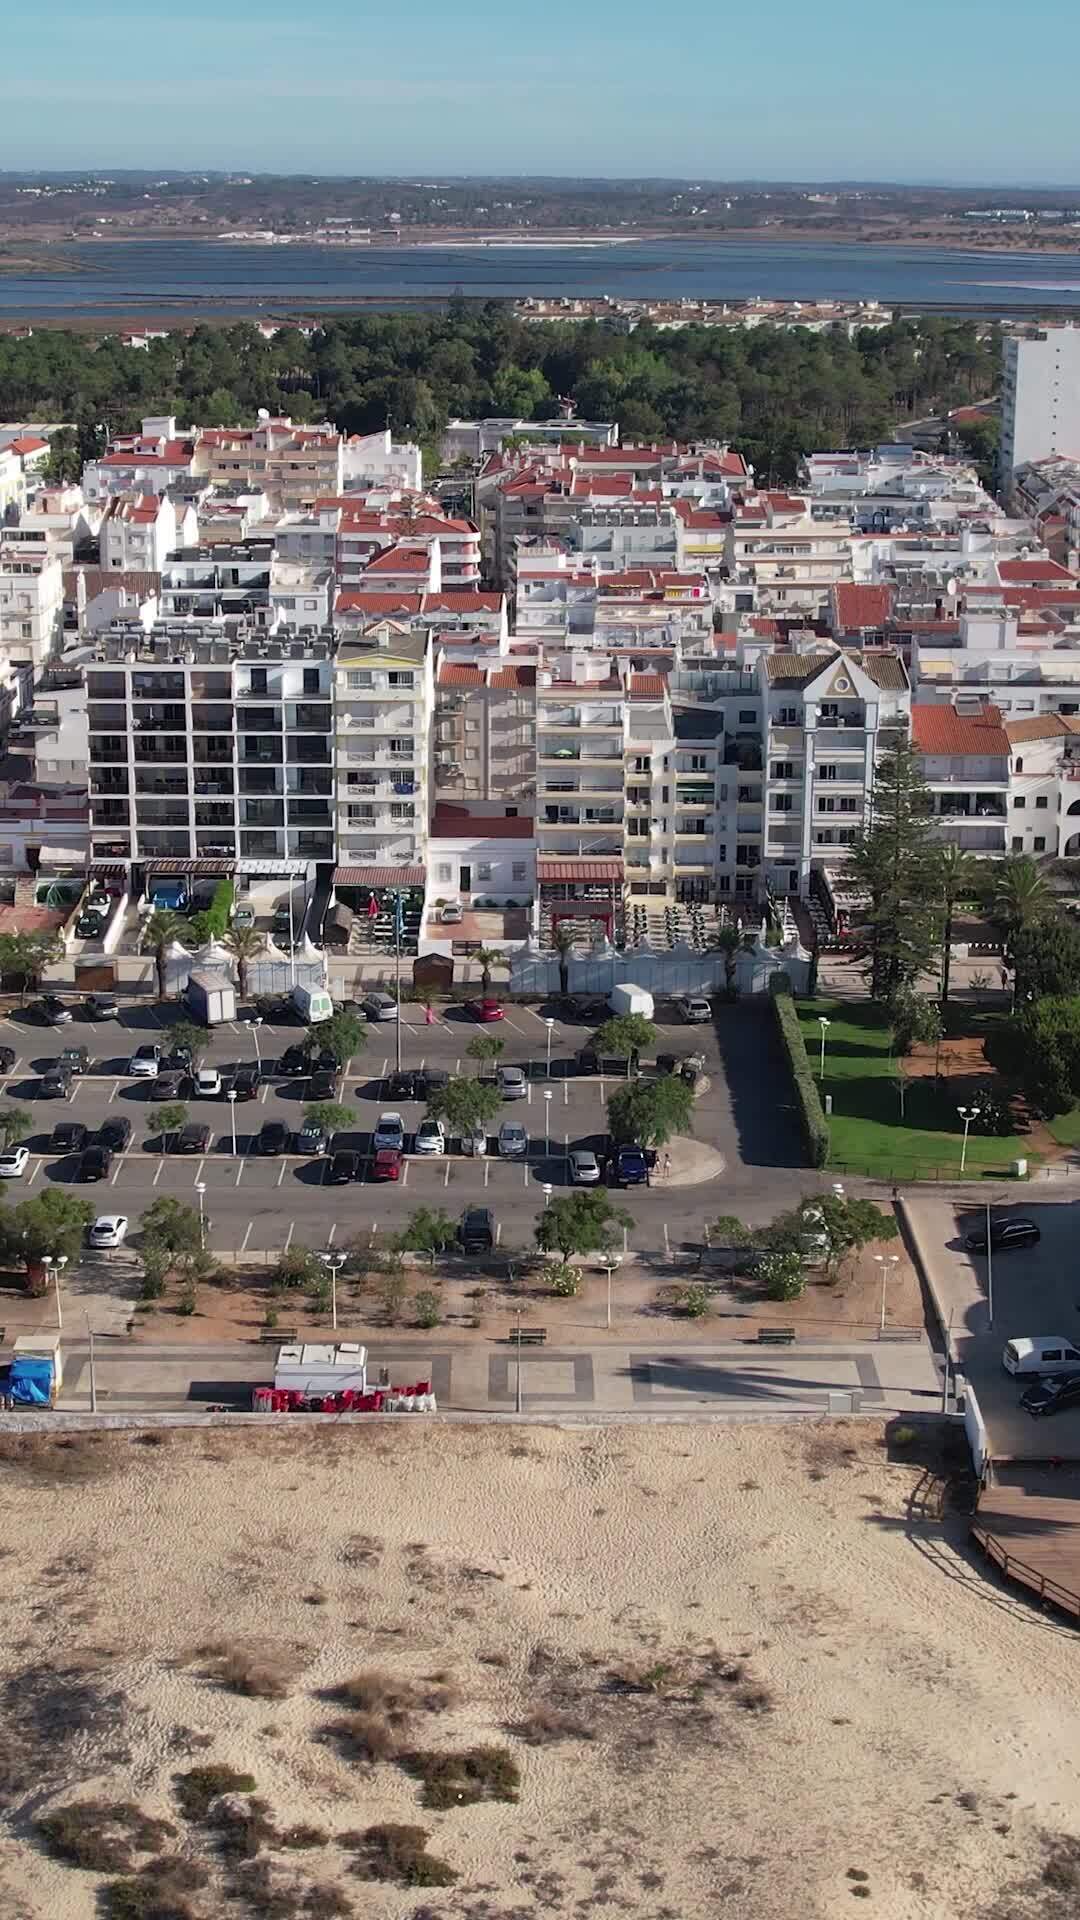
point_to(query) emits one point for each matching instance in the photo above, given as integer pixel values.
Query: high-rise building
(1040, 398)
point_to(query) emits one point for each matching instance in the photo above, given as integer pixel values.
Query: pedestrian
(667, 1165)
(429, 1016)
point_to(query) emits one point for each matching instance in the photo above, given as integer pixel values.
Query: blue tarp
(30, 1382)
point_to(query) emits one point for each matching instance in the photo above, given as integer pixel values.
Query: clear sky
(788, 89)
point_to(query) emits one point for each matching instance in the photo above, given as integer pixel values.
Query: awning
(579, 870)
(378, 876)
(108, 870)
(220, 869)
(61, 857)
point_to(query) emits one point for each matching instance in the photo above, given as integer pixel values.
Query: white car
(584, 1168)
(145, 1063)
(430, 1137)
(512, 1083)
(207, 1083)
(695, 1009)
(389, 1132)
(108, 1230)
(13, 1162)
(513, 1141)
(379, 1006)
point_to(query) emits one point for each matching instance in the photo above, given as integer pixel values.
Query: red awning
(378, 876)
(579, 870)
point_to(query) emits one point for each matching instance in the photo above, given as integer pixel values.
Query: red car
(485, 1010)
(387, 1164)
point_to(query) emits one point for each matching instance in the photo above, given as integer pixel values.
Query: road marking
(160, 1170)
(284, 1169)
(240, 1171)
(405, 1173)
(566, 1093)
(38, 1164)
(247, 1236)
(199, 1171)
(487, 1172)
(289, 1235)
(385, 1066)
(265, 1091)
(457, 1064)
(528, 1095)
(513, 1023)
(115, 1091)
(498, 1231)
(667, 1242)
(525, 1178)
(446, 1175)
(330, 1235)
(119, 1170)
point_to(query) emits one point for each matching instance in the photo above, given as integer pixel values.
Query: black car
(322, 1060)
(1004, 1235)
(177, 1060)
(90, 926)
(245, 1083)
(295, 1062)
(342, 1167)
(273, 1137)
(7, 1059)
(54, 1011)
(114, 1134)
(75, 1059)
(1051, 1395)
(96, 1164)
(477, 1230)
(69, 1137)
(323, 1086)
(582, 1007)
(311, 1141)
(57, 1084)
(402, 1086)
(193, 1139)
(430, 1081)
(617, 1067)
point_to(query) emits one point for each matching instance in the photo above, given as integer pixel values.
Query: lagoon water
(129, 277)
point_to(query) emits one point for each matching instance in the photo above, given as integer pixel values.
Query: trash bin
(1019, 1169)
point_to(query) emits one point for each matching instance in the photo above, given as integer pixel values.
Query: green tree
(172, 1225)
(465, 1107)
(729, 942)
(1046, 958)
(893, 859)
(783, 1274)
(328, 1115)
(843, 1225)
(298, 1270)
(50, 1225)
(428, 1231)
(729, 1231)
(167, 1122)
(915, 1021)
(343, 1035)
(24, 956)
(625, 1037)
(159, 933)
(484, 1049)
(427, 1308)
(15, 1122)
(651, 1112)
(195, 1038)
(245, 944)
(956, 879)
(1041, 1049)
(1021, 897)
(582, 1222)
(564, 938)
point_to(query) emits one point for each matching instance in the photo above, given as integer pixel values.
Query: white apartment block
(383, 707)
(1040, 398)
(378, 460)
(485, 731)
(31, 603)
(139, 531)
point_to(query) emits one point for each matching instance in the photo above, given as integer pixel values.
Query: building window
(783, 770)
(401, 679)
(1020, 801)
(1019, 767)
(849, 804)
(1040, 843)
(747, 716)
(359, 680)
(826, 806)
(1042, 801)
(519, 872)
(444, 873)
(483, 871)
(827, 772)
(258, 680)
(782, 802)
(788, 717)
(311, 675)
(1018, 843)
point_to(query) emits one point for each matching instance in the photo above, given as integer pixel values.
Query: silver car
(379, 1006)
(696, 1010)
(584, 1168)
(430, 1137)
(512, 1083)
(513, 1141)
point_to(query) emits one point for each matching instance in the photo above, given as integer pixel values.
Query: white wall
(497, 858)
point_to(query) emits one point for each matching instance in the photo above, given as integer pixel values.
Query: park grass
(1066, 1128)
(866, 1130)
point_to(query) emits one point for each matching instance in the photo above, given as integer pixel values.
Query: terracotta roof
(455, 823)
(647, 686)
(451, 675)
(27, 443)
(1045, 726)
(885, 669)
(1034, 573)
(378, 876)
(100, 579)
(378, 603)
(465, 600)
(1025, 598)
(505, 677)
(855, 608)
(785, 669)
(399, 560)
(942, 730)
(579, 869)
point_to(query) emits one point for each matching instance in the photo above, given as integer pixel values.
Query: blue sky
(796, 89)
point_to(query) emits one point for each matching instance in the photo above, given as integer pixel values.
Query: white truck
(630, 999)
(313, 1004)
(210, 997)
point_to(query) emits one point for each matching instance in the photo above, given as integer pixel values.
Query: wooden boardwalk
(1034, 1538)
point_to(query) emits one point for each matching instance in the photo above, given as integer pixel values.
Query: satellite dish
(950, 588)
(264, 413)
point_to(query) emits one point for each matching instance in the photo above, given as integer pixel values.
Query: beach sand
(770, 1684)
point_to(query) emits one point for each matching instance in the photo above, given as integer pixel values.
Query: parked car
(584, 1167)
(513, 1083)
(245, 1083)
(69, 1137)
(244, 916)
(695, 1009)
(13, 1162)
(54, 1011)
(430, 1137)
(90, 926)
(323, 1085)
(96, 1164)
(513, 1141)
(167, 1086)
(56, 1084)
(689, 1066)
(177, 1060)
(430, 1080)
(583, 1007)
(475, 1144)
(207, 1083)
(485, 1011)
(379, 1006)
(385, 1165)
(1004, 1235)
(1040, 1353)
(273, 1137)
(477, 1230)
(101, 1006)
(108, 1230)
(402, 1086)
(114, 1134)
(194, 1138)
(7, 1059)
(295, 1062)
(451, 915)
(1051, 1395)
(311, 1140)
(75, 1059)
(629, 1167)
(145, 1062)
(389, 1132)
(613, 1064)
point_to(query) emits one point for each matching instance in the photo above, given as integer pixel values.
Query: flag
(372, 907)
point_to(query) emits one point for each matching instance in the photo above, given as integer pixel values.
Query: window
(1019, 767)
(826, 806)
(1018, 843)
(472, 726)
(782, 802)
(1020, 801)
(783, 770)
(697, 763)
(258, 680)
(518, 872)
(1039, 843)
(444, 873)
(747, 716)
(845, 836)
(824, 837)
(359, 680)
(401, 746)
(311, 674)
(788, 717)
(849, 804)
(472, 753)
(400, 810)
(1042, 801)
(827, 772)
(483, 871)
(401, 679)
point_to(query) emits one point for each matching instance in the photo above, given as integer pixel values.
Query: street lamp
(550, 1025)
(967, 1115)
(335, 1260)
(55, 1263)
(93, 1372)
(547, 1122)
(255, 1025)
(547, 1190)
(824, 1024)
(885, 1261)
(232, 1116)
(200, 1188)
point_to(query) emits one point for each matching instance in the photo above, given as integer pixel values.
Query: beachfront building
(383, 690)
(139, 531)
(31, 602)
(1040, 398)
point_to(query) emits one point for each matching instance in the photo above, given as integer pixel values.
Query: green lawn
(867, 1133)
(1066, 1128)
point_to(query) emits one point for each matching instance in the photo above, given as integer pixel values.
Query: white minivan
(313, 1004)
(1043, 1353)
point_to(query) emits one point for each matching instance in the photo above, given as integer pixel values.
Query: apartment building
(152, 461)
(472, 439)
(383, 685)
(790, 560)
(1044, 786)
(378, 460)
(1040, 398)
(965, 763)
(485, 731)
(292, 465)
(219, 583)
(31, 602)
(138, 531)
(204, 748)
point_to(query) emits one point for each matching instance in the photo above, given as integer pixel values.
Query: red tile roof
(857, 608)
(647, 686)
(1034, 573)
(941, 730)
(379, 876)
(579, 869)
(452, 675)
(1025, 598)
(509, 677)
(455, 823)
(378, 603)
(27, 443)
(465, 600)
(399, 560)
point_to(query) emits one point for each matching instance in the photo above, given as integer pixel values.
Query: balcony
(102, 718)
(973, 806)
(312, 846)
(309, 813)
(259, 719)
(110, 813)
(258, 751)
(309, 716)
(211, 686)
(217, 843)
(158, 686)
(158, 749)
(308, 750)
(111, 849)
(108, 753)
(106, 686)
(214, 814)
(220, 788)
(106, 783)
(205, 719)
(262, 813)
(158, 719)
(174, 846)
(212, 753)
(256, 844)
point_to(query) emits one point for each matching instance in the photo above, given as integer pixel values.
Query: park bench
(528, 1336)
(281, 1336)
(776, 1336)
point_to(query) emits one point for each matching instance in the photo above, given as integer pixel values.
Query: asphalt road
(254, 1202)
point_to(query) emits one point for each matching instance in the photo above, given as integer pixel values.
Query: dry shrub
(102, 1836)
(160, 1892)
(323, 1901)
(543, 1725)
(365, 1737)
(243, 1828)
(197, 1789)
(385, 1694)
(399, 1854)
(58, 1459)
(301, 1836)
(1062, 1868)
(754, 1698)
(258, 1672)
(44, 1708)
(461, 1779)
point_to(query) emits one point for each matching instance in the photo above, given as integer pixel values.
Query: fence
(663, 973)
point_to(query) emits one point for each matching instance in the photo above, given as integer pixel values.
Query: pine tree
(894, 860)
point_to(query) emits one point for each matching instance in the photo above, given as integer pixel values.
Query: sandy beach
(738, 1670)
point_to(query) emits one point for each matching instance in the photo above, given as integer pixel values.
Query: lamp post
(550, 1025)
(967, 1115)
(335, 1260)
(885, 1261)
(232, 1116)
(200, 1188)
(547, 1190)
(55, 1263)
(255, 1025)
(609, 1265)
(93, 1373)
(824, 1024)
(547, 1122)
(989, 1266)
(518, 1311)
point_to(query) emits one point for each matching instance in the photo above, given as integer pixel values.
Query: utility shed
(315, 1367)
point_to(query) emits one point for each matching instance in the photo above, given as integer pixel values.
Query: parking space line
(525, 1178)
(528, 1095)
(330, 1235)
(566, 1093)
(457, 1064)
(446, 1174)
(38, 1164)
(114, 1092)
(159, 1171)
(240, 1171)
(405, 1173)
(289, 1235)
(487, 1172)
(119, 1168)
(667, 1242)
(247, 1236)
(265, 1091)
(498, 1231)
(385, 1067)
(284, 1170)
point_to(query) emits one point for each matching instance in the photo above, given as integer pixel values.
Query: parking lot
(254, 1201)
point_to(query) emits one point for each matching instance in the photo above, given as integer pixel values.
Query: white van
(1043, 1353)
(313, 1004)
(626, 998)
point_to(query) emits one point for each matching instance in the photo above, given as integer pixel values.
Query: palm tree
(158, 934)
(956, 877)
(244, 943)
(1021, 896)
(729, 941)
(564, 947)
(488, 957)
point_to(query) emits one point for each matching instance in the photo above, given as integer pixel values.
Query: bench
(775, 1336)
(528, 1336)
(281, 1336)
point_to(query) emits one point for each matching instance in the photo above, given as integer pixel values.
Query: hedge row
(815, 1126)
